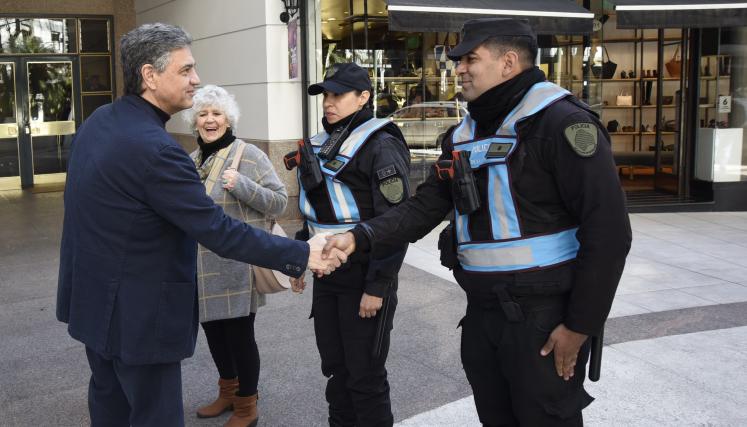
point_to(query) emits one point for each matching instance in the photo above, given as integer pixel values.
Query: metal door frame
(13, 182)
(28, 178)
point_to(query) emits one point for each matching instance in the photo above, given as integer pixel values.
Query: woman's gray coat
(226, 287)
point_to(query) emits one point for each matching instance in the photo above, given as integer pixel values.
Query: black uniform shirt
(554, 187)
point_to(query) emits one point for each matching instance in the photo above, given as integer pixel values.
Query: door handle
(27, 129)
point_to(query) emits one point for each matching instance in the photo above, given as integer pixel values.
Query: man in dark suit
(134, 211)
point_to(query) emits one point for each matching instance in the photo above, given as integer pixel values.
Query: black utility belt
(514, 307)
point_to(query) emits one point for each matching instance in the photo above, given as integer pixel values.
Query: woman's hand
(298, 285)
(230, 178)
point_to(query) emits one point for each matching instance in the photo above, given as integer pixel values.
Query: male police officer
(541, 230)
(354, 170)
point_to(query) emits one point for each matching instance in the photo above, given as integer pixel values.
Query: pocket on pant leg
(570, 405)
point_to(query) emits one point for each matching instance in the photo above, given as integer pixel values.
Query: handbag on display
(674, 65)
(612, 126)
(607, 69)
(624, 100)
(268, 281)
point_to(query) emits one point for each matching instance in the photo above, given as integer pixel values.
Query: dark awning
(680, 13)
(545, 16)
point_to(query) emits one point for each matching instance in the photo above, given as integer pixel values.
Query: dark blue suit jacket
(134, 211)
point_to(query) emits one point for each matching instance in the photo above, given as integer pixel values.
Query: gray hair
(525, 48)
(149, 44)
(216, 97)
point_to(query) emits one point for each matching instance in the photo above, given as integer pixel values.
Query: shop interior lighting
(437, 9)
(702, 6)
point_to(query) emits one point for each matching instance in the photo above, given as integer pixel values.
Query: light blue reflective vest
(340, 196)
(509, 250)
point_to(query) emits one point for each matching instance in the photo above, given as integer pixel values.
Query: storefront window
(721, 155)
(415, 85)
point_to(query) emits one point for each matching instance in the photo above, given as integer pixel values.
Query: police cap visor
(476, 31)
(342, 78)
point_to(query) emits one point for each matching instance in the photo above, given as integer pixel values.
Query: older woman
(228, 300)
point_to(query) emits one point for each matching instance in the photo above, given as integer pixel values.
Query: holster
(447, 246)
(511, 308)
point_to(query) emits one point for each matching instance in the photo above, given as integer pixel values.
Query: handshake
(327, 252)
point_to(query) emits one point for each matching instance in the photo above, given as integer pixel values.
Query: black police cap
(342, 78)
(476, 31)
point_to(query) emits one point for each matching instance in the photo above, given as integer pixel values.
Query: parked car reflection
(422, 123)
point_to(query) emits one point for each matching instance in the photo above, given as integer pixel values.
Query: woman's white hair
(216, 97)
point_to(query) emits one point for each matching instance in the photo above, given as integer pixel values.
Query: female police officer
(355, 169)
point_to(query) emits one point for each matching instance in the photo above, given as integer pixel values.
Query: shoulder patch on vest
(386, 172)
(393, 189)
(583, 138)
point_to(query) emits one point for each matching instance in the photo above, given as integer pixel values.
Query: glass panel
(7, 93)
(94, 35)
(92, 102)
(37, 35)
(721, 155)
(50, 91)
(95, 73)
(8, 126)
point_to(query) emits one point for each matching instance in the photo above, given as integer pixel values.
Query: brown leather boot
(244, 412)
(224, 402)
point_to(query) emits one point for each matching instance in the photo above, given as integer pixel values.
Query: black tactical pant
(513, 384)
(357, 389)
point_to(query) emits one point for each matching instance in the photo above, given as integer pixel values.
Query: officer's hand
(298, 285)
(319, 263)
(230, 177)
(565, 344)
(369, 305)
(343, 241)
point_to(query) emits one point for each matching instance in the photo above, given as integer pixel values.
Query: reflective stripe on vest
(520, 254)
(316, 228)
(343, 203)
(509, 250)
(350, 147)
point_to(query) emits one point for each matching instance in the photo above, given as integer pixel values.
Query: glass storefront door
(49, 116)
(10, 175)
(54, 72)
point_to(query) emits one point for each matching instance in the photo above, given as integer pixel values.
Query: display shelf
(643, 79)
(639, 133)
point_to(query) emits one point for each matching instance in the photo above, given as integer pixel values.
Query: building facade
(668, 79)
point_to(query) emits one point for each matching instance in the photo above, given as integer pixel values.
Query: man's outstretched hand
(344, 242)
(326, 262)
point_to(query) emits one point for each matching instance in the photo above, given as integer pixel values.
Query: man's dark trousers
(357, 389)
(512, 383)
(142, 395)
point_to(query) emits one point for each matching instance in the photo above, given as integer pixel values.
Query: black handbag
(612, 126)
(607, 69)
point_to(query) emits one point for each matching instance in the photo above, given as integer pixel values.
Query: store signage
(724, 104)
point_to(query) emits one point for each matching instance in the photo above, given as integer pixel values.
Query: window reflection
(94, 35)
(37, 35)
(50, 91)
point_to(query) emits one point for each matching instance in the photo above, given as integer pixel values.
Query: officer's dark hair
(149, 44)
(525, 47)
